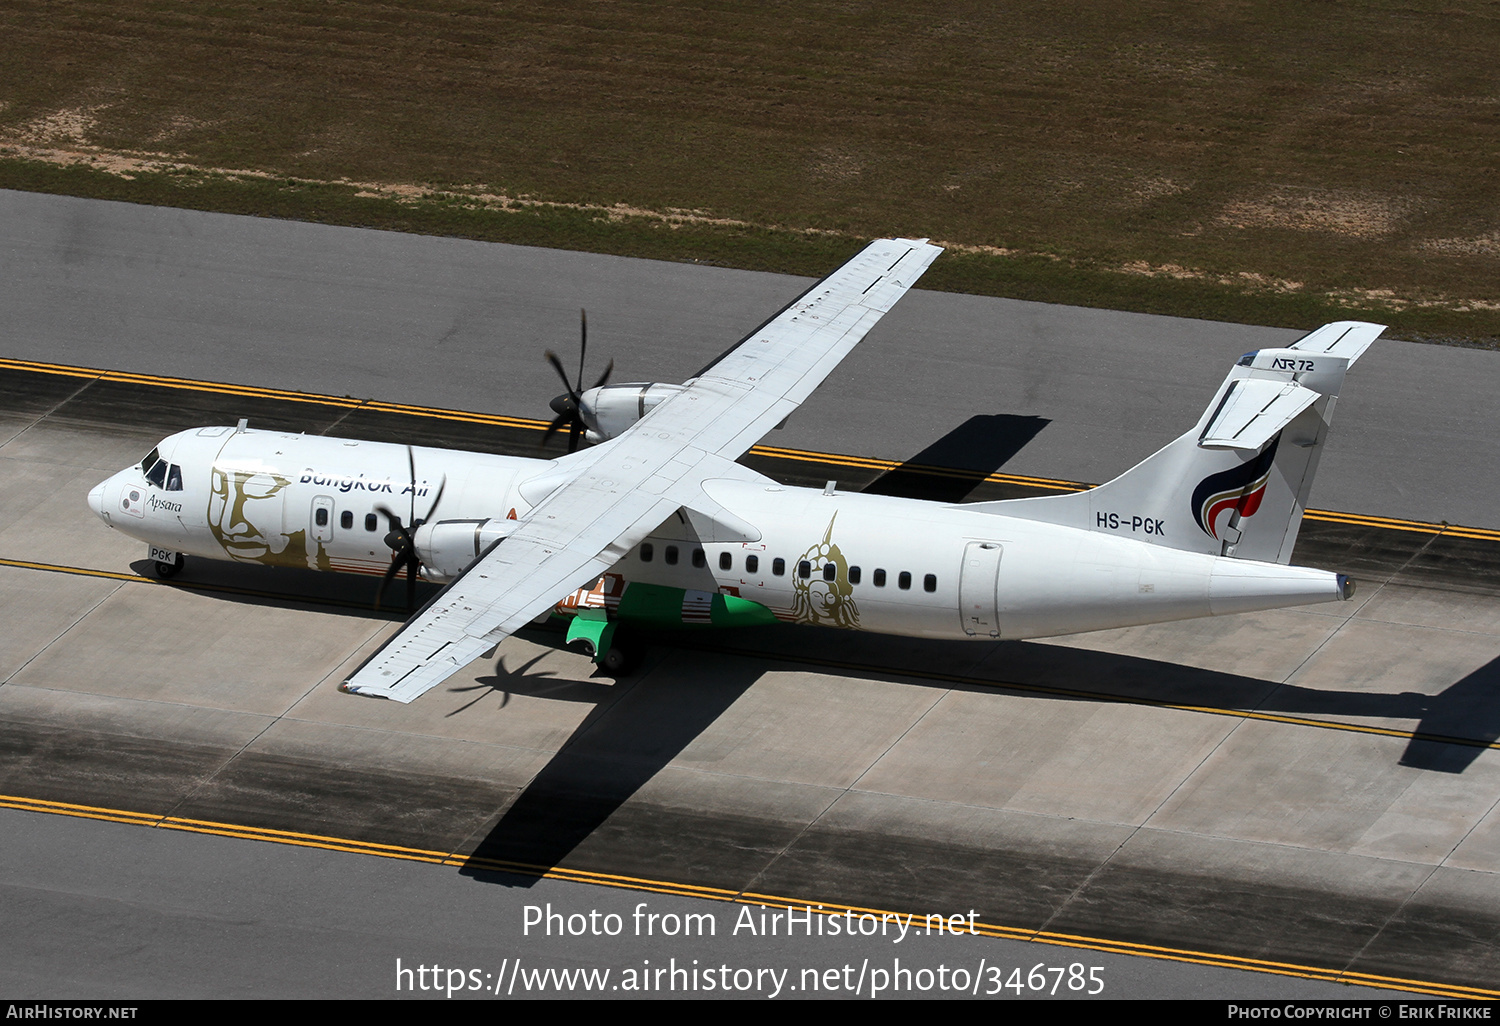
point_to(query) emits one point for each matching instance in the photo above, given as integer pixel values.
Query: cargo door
(978, 590)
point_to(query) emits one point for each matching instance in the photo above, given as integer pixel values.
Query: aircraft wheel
(620, 660)
(166, 570)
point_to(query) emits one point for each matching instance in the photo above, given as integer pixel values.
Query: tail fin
(1237, 483)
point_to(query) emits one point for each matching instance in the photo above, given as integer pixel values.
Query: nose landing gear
(166, 569)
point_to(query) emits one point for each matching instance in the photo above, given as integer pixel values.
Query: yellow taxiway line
(769, 901)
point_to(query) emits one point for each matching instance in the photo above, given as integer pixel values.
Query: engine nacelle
(447, 547)
(610, 410)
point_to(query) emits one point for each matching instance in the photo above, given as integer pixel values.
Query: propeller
(402, 541)
(566, 406)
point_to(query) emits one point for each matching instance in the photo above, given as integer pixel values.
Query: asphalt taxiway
(462, 325)
(1313, 788)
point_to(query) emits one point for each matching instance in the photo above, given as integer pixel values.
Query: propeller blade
(411, 463)
(385, 581)
(558, 422)
(583, 344)
(398, 540)
(390, 518)
(605, 376)
(557, 366)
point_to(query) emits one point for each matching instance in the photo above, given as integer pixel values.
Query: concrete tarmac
(1313, 787)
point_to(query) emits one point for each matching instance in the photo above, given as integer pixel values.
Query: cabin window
(804, 569)
(778, 566)
(648, 551)
(726, 561)
(929, 583)
(346, 519)
(671, 555)
(320, 516)
(880, 578)
(904, 581)
(854, 575)
(830, 571)
(699, 560)
(371, 522)
(752, 564)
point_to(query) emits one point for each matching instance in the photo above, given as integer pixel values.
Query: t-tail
(1237, 483)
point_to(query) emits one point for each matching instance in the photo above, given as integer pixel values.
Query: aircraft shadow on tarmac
(526, 680)
(951, 468)
(637, 729)
(633, 732)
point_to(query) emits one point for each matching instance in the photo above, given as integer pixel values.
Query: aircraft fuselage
(862, 562)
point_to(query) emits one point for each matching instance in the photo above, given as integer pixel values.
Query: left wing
(622, 490)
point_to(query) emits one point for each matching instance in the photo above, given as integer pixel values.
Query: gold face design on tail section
(244, 515)
(820, 601)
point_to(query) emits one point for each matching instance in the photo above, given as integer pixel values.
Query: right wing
(617, 493)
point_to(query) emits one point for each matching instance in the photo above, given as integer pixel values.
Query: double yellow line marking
(255, 392)
(1393, 524)
(1102, 696)
(770, 901)
(798, 455)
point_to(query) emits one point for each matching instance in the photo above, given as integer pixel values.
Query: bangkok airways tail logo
(1241, 488)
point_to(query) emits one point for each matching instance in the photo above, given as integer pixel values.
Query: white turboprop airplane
(657, 525)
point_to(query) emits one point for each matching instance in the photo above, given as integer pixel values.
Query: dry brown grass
(1331, 147)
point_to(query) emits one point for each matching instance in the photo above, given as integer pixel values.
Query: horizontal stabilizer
(1253, 411)
(1342, 338)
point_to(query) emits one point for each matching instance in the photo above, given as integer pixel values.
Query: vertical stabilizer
(1237, 483)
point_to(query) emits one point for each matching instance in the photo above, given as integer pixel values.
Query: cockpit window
(157, 475)
(174, 478)
(149, 461)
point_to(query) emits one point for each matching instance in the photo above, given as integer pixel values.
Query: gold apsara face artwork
(818, 600)
(244, 515)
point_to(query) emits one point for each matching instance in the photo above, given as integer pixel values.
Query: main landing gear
(621, 658)
(613, 654)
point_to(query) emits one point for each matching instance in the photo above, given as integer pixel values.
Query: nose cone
(97, 499)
